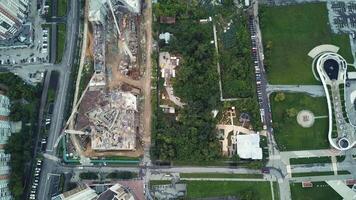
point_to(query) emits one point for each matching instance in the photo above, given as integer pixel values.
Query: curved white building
(332, 71)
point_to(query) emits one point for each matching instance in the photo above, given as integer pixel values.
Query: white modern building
(332, 72)
(117, 192)
(82, 192)
(13, 14)
(248, 146)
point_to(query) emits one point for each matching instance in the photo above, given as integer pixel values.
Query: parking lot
(35, 53)
(342, 16)
(34, 186)
(257, 65)
(38, 53)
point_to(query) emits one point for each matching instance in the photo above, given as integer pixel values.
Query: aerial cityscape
(177, 99)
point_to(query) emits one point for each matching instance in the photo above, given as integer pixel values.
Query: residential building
(79, 193)
(5, 133)
(12, 16)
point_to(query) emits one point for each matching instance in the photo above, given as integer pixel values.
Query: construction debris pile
(111, 120)
(128, 42)
(99, 47)
(107, 118)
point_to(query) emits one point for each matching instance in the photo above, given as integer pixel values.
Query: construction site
(106, 119)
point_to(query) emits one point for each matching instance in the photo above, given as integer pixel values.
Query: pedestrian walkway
(334, 164)
(342, 189)
(313, 90)
(309, 153)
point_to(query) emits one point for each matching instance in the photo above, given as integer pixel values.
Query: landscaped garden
(289, 134)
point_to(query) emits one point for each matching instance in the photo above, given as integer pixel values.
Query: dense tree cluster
(237, 71)
(24, 101)
(122, 175)
(191, 135)
(88, 176)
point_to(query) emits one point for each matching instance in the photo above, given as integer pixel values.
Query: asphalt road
(64, 67)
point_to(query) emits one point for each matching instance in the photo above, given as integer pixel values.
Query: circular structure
(331, 67)
(344, 143)
(305, 118)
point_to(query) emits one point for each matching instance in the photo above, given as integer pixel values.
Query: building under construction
(110, 119)
(107, 117)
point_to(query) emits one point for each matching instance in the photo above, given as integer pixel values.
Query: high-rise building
(5, 133)
(13, 14)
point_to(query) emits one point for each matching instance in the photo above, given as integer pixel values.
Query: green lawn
(62, 8)
(312, 174)
(219, 175)
(245, 190)
(291, 32)
(329, 173)
(295, 161)
(61, 38)
(288, 133)
(320, 191)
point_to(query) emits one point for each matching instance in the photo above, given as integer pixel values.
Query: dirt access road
(147, 113)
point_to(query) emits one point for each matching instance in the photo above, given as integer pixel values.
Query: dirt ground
(133, 79)
(89, 152)
(89, 49)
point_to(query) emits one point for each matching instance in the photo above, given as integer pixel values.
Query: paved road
(280, 170)
(310, 153)
(57, 119)
(224, 179)
(313, 90)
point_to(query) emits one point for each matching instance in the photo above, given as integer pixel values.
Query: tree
(280, 96)
(291, 112)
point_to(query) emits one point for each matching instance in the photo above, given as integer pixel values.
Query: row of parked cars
(35, 183)
(256, 62)
(44, 47)
(255, 58)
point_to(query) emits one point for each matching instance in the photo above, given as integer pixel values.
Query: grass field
(291, 32)
(61, 38)
(320, 191)
(296, 161)
(62, 8)
(330, 173)
(245, 190)
(289, 134)
(312, 174)
(219, 175)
